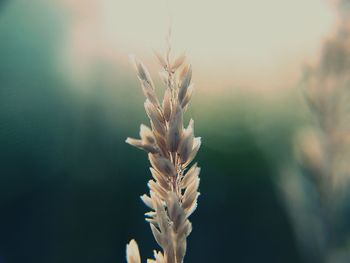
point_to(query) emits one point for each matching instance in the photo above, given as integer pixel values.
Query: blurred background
(70, 185)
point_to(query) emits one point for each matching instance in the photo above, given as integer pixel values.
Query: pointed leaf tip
(132, 252)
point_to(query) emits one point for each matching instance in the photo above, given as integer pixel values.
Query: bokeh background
(70, 186)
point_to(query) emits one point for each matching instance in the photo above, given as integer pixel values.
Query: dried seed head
(141, 145)
(145, 79)
(186, 144)
(161, 179)
(191, 193)
(152, 110)
(147, 135)
(185, 229)
(134, 142)
(181, 249)
(162, 218)
(184, 72)
(164, 77)
(161, 59)
(156, 188)
(167, 104)
(158, 236)
(188, 96)
(152, 221)
(150, 95)
(155, 200)
(158, 256)
(155, 117)
(173, 205)
(190, 176)
(192, 208)
(142, 72)
(175, 129)
(170, 254)
(161, 144)
(196, 146)
(132, 252)
(147, 200)
(190, 197)
(175, 211)
(162, 165)
(178, 62)
(173, 196)
(185, 88)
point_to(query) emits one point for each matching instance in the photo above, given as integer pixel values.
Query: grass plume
(317, 194)
(171, 149)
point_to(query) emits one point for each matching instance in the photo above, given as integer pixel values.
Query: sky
(241, 43)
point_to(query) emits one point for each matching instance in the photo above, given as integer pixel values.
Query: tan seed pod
(155, 117)
(132, 252)
(186, 144)
(190, 176)
(158, 236)
(134, 142)
(185, 229)
(159, 257)
(161, 179)
(161, 144)
(190, 200)
(147, 135)
(150, 148)
(170, 254)
(161, 59)
(167, 104)
(164, 77)
(188, 96)
(175, 130)
(178, 62)
(141, 145)
(196, 146)
(152, 221)
(147, 200)
(190, 194)
(157, 189)
(184, 72)
(162, 165)
(185, 82)
(155, 200)
(193, 187)
(154, 110)
(175, 211)
(181, 249)
(183, 92)
(191, 208)
(150, 95)
(162, 218)
(151, 214)
(142, 71)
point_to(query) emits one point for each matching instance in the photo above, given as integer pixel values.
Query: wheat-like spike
(171, 148)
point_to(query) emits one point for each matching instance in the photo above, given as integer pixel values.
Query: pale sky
(230, 42)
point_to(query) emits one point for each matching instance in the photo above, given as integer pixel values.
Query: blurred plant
(317, 194)
(171, 148)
